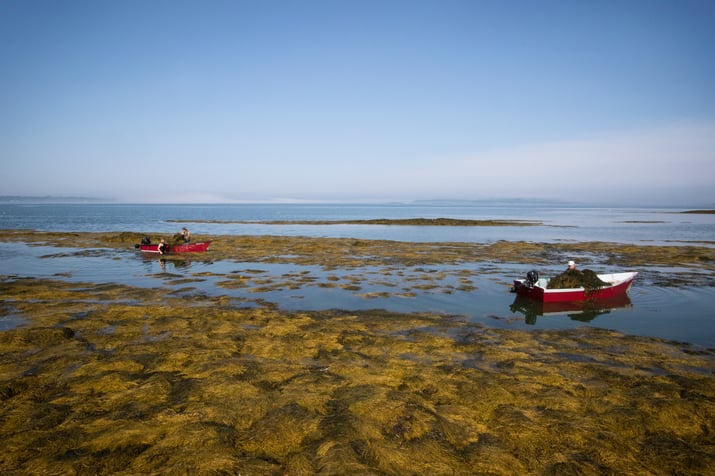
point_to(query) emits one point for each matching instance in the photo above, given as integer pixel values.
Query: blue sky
(210, 101)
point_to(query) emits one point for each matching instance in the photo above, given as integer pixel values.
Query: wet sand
(112, 379)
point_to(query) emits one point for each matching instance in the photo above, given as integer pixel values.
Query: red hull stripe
(185, 248)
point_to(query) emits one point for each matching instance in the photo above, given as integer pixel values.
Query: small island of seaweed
(376, 221)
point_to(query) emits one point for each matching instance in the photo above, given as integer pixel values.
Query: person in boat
(575, 278)
(182, 237)
(571, 271)
(162, 247)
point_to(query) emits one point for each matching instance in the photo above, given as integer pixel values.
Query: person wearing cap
(572, 266)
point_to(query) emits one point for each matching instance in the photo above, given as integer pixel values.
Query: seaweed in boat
(574, 278)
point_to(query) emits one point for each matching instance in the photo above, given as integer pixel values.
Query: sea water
(666, 312)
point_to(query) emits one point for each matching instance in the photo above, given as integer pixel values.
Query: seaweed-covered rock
(124, 237)
(574, 278)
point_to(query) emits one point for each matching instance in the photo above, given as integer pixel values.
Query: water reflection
(584, 311)
(177, 264)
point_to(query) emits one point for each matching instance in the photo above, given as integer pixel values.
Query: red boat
(171, 249)
(537, 288)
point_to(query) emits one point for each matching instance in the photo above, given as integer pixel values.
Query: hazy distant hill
(50, 199)
(509, 202)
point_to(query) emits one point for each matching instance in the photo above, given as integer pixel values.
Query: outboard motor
(532, 277)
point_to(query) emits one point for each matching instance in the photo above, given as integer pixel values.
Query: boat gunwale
(624, 277)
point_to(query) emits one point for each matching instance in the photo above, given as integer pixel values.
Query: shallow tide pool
(477, 291)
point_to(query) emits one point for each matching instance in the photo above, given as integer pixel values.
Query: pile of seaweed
(575, 278)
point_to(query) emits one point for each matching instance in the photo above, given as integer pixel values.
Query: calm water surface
(671, 313)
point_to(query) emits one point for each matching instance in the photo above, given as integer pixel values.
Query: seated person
(574, 278)
(183, 237)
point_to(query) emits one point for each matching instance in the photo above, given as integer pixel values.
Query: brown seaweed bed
(378, 221)
(113, 379)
